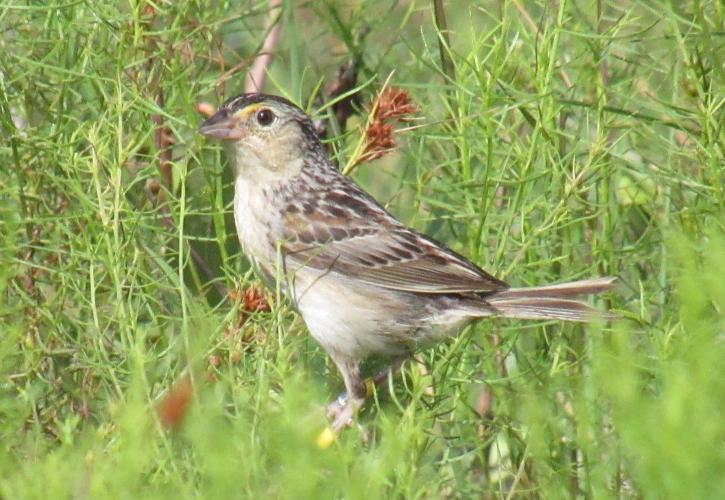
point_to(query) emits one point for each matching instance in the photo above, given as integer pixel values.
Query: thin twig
(152, 192)
(343, 108)
(162, 134)
(665, 122)
(444, 41)
(564, 75)
(254, 82)
(163, 141)
(258, 72)
(344, 94)
(603, 68)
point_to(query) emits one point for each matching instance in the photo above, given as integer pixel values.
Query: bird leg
(342, 410)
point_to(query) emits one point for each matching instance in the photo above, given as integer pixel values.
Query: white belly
(348, 318)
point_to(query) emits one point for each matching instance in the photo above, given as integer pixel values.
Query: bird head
(263, 134)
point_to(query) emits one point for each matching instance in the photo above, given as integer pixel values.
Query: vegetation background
(553, 141)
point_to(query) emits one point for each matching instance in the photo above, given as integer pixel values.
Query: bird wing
(347, 232)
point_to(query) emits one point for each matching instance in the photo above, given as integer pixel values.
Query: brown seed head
(392, 105)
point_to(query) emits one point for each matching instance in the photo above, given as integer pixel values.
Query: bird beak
(221, 126)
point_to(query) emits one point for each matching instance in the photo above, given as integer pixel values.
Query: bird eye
(265, 117)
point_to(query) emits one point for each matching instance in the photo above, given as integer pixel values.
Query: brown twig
(162, 136)
(174, 406)
(342, 92)
(258, 72)
(444, 41)
(343, 108)
(163, 140)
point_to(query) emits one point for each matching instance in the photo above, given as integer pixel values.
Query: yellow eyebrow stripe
(245, 112)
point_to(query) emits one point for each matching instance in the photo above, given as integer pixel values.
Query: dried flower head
(392, 105)
(175, 404)
(251, 299)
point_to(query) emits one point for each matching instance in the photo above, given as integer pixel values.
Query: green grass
(563, 140)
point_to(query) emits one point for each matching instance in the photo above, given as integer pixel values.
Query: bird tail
(551, 302)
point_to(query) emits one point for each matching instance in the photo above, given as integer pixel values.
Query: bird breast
(254, 219)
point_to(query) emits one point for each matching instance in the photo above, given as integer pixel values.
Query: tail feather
(551, 302)
(571, 289)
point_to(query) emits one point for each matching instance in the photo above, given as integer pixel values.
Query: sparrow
(363, 282)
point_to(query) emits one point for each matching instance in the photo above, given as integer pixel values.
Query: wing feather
(347, 232)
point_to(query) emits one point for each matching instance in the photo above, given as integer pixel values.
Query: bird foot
(341, 414)
(342, 411)
(336, 407)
